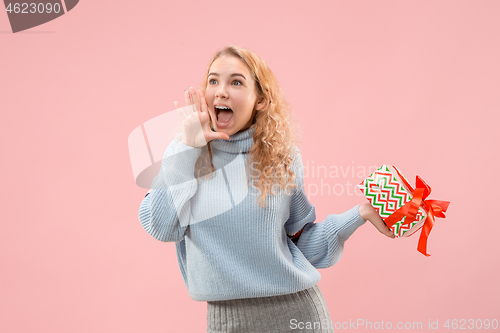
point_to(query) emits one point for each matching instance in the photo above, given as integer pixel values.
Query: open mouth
(223, 114)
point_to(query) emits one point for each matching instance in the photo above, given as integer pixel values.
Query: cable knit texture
(228, 247)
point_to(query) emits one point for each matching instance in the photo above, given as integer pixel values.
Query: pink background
(409, 83)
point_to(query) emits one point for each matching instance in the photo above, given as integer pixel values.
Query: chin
(230, 130)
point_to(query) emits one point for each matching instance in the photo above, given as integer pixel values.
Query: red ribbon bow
(434, 208)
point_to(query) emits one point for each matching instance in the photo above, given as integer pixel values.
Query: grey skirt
(303, 311)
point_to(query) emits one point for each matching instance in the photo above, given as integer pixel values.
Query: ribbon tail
(424, 234)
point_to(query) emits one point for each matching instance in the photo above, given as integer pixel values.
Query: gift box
(388, 190)
(404, 209)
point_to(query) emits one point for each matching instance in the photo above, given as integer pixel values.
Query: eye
(238, 82)
(210, 81)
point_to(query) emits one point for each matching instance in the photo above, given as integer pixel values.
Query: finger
(195, 98)
(190, 106)
(187, 97)
(389, 233)
(203, 101)
(202, 104)
(216, 135)
(379, 223)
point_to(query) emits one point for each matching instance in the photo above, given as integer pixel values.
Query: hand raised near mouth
(196, 130)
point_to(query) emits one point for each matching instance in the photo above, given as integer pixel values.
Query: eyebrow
(234, 74)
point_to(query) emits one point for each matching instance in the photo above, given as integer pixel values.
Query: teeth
(222, 107)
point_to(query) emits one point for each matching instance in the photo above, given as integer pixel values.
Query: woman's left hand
(367, 212)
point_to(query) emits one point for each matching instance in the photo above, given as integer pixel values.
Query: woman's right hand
(196, 130)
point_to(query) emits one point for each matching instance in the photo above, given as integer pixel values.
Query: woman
(244, 232)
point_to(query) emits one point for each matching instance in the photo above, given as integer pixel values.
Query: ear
(261, 103)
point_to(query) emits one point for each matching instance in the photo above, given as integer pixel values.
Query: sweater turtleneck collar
(240, 142)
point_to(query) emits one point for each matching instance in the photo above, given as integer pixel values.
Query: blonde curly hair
(275, 138)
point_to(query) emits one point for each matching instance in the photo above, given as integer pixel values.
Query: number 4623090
(464, 324)
(35, 8)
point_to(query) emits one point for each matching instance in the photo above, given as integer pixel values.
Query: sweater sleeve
(165, 211)
(323, 243)
(301, 210)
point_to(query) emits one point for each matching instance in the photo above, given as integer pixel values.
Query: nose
(221, 93)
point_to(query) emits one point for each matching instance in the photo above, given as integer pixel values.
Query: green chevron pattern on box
(386, 192)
